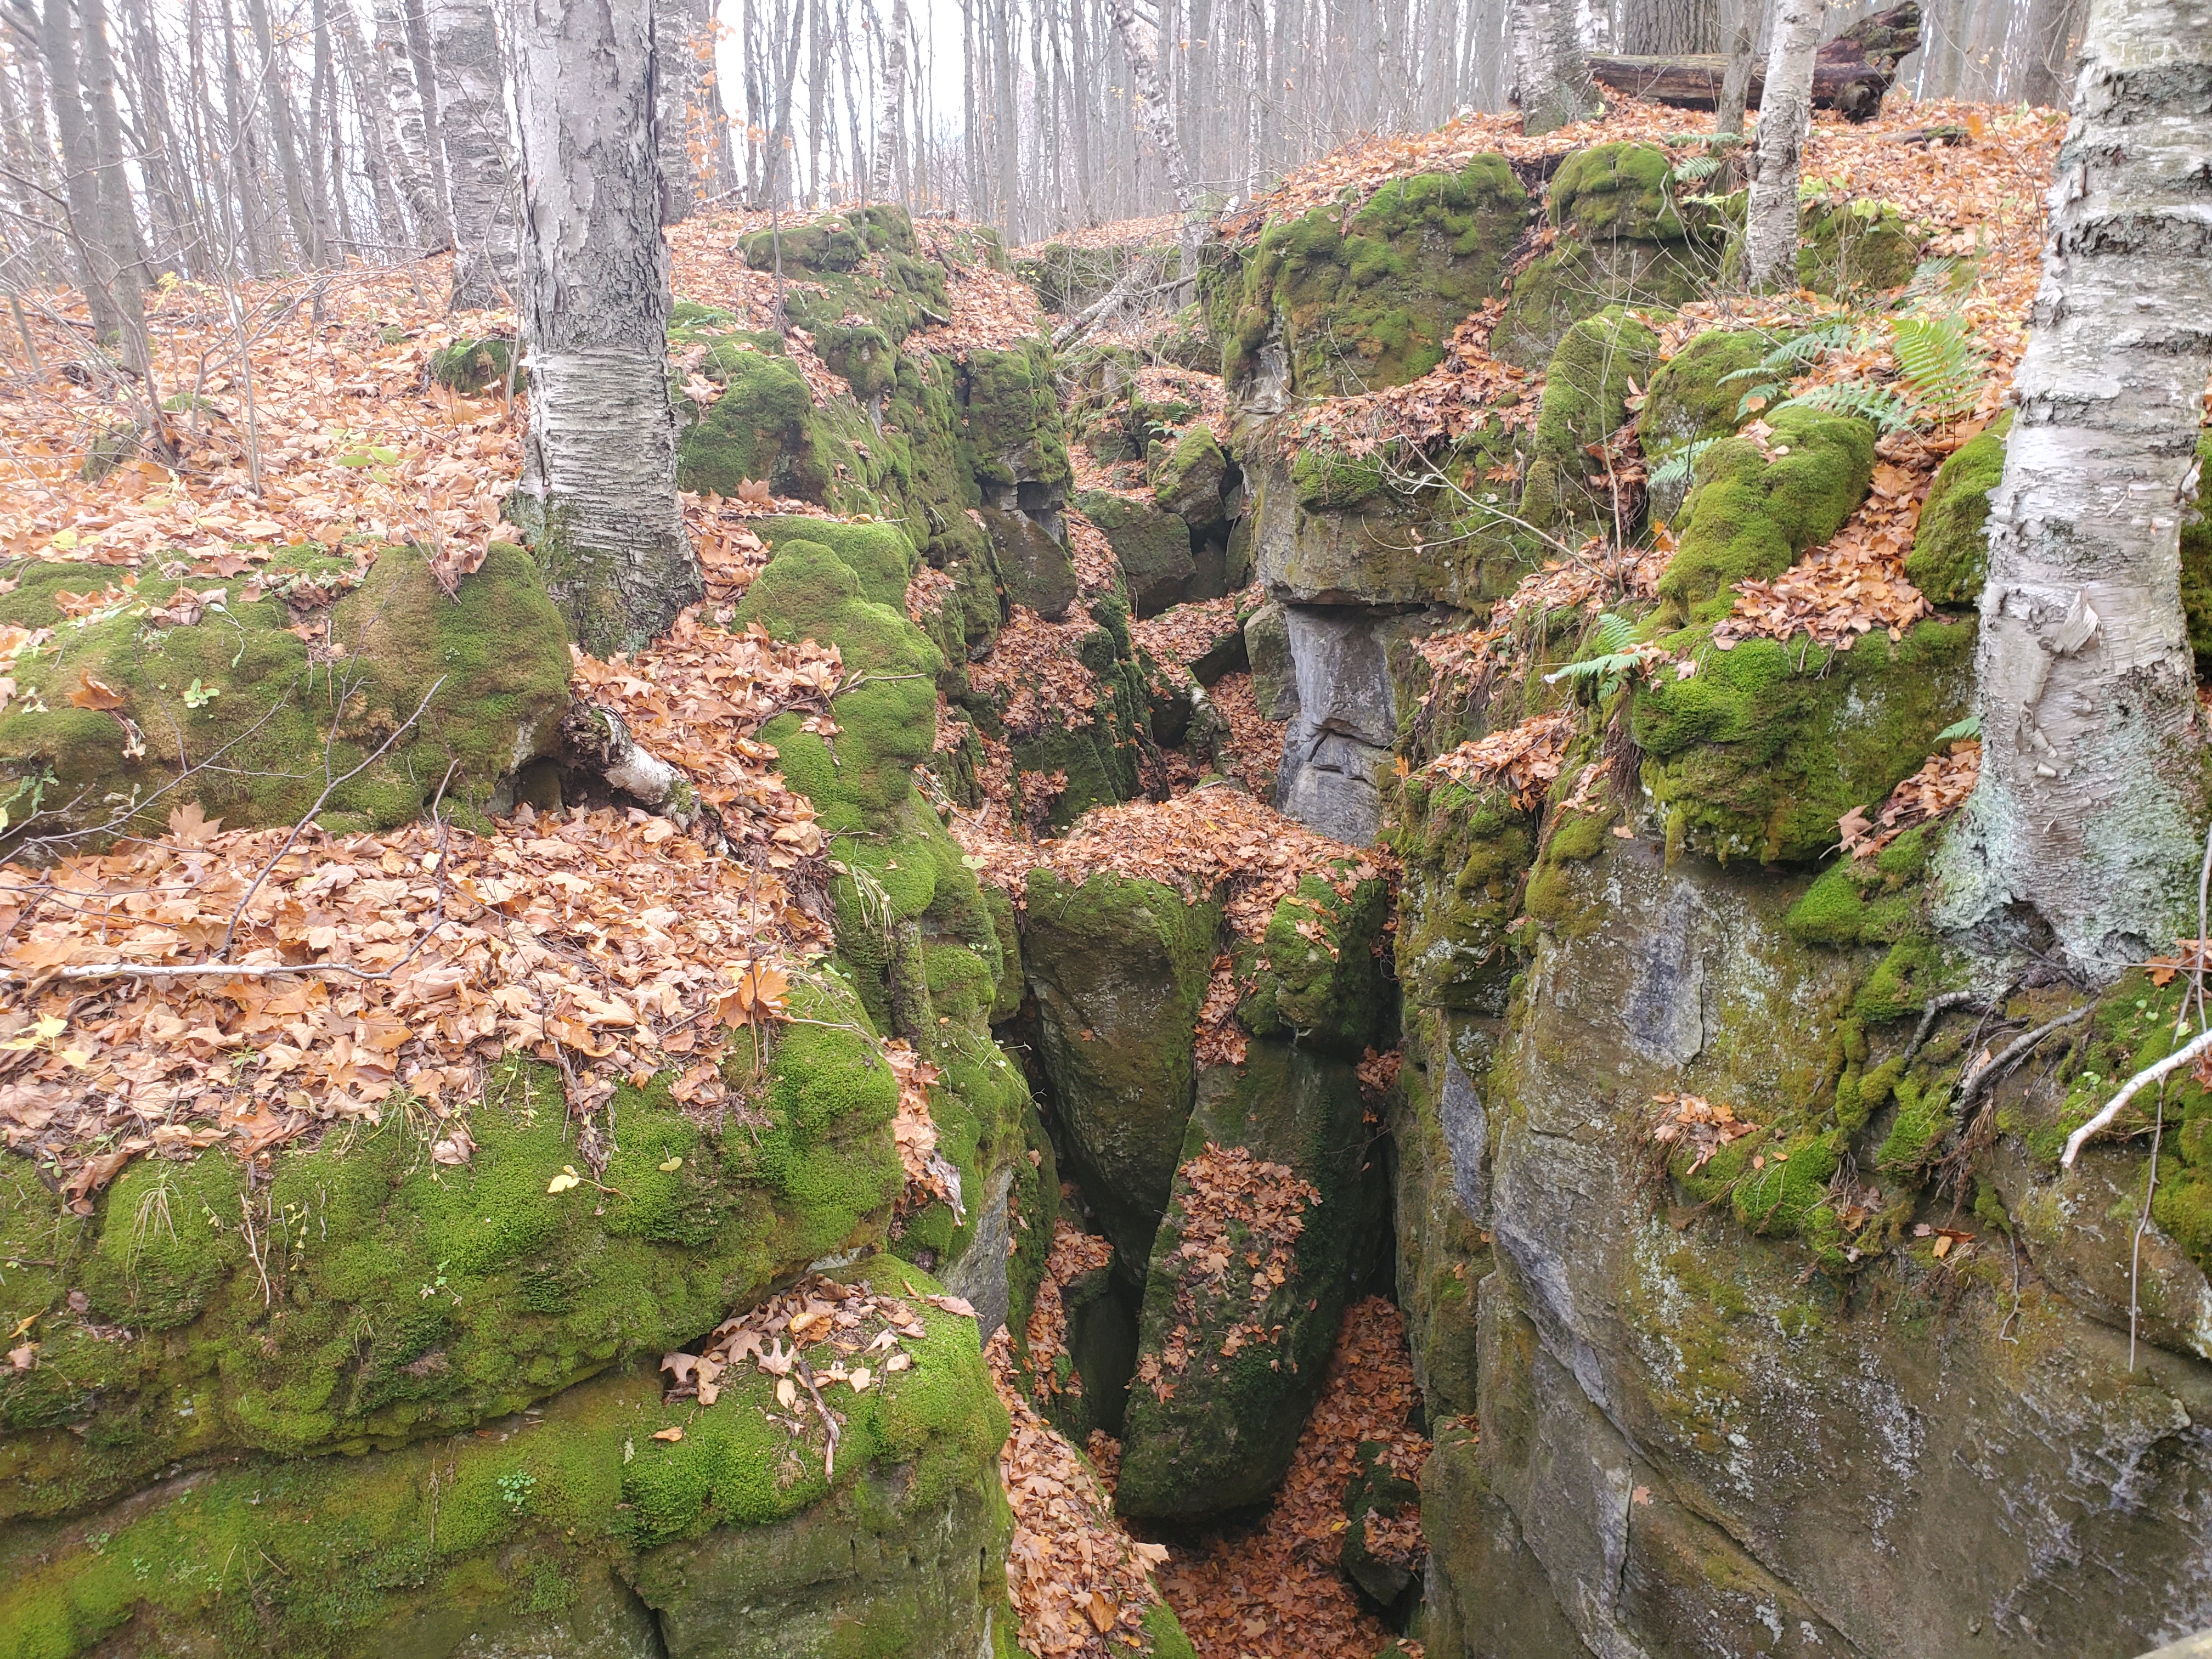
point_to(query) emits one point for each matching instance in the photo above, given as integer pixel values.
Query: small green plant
(1772, 374)
(515, 1486)
(1938, 360)
(1675, 466)
(197, 695)
(1618, 660)
(1969, 727)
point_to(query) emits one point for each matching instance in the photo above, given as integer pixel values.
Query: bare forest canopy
(249, 137)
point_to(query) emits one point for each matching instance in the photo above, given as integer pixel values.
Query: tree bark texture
(594, 292)
(1741, 63)
(1785, 116)
(2089, 811)
(675, 25)
(79, 169)
(1550, 82)
(472, 115)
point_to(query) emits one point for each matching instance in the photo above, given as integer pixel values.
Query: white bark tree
(408, 134)
(2093, 792)
(472, 117)
(1786, 117)
(1552, 82)
(1140, 46)
(600, 467)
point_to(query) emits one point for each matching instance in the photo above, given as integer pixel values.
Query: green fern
(1942, 282)
(1793, 354)
(1697, 167)
(1940, 364)
(1969, 727)
(1861, 398)
(1618, 658)
(1675, 467)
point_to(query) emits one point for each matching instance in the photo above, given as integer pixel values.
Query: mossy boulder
(880, 556)
(1865, 901)
(1369, 302)
(1856, 247)
(1316, 974)
(1035, 570)
(1761, 752)
(1625, 237)
(925, 949)
(1152, 546)
(1013, 423)
(1190, 484)
(379, 1297)
(475, 681)
(762, 429)
(1757, 503)
(471, 365)
(560, 1533)
(1586, 392)
(1691, 401)
(1950, 552)
(1119, 966)
(1231, 1357)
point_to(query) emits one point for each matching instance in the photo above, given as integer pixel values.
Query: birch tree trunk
(884, 185)
(674, 23)
(269, 71)
(600, 466)
(1785, 116)
(378, 145)
(473, 114)
(407, 139)
(79, 169)
(1140, 46)
(1552, 83)
(2089, 812)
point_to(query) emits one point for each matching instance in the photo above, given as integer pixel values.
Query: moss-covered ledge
(578, 1529)
(360, 1294)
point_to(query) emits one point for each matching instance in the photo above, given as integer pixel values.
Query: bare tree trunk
(1552, 82)
(118, 220)
(1742, 36)
(594, 293)
(377, 142)
(473, 113)
(674, 23)
(2090, 807)
(408, 144)
(1785, 116)
(277, 97)
(1140, 46)
(2050, 28)
(80, 165)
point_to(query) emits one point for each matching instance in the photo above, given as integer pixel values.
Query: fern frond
(1697, 167)
(1793, 354)
(1857, 397)
(1939, 361)
(1675, 467)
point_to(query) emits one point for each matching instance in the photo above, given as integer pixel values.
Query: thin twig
(2017, 1048)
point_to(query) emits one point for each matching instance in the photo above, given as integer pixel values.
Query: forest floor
(305, 413)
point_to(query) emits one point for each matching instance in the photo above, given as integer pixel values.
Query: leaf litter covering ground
(1079, 1583)
(1595, 578)
(610, 943)
(1180, 634)
(322, 394)
(1270, 1589)
(1240, 1218)
(1941, 786)
(1073, 1253)
(1523, 760)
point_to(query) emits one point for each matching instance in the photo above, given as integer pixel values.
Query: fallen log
(1849, 75)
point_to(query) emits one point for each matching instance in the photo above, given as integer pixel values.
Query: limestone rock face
(1685, 1442)
(1339, 747)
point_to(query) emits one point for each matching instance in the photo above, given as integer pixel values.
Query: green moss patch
(1950, 551)
(502, 1533)
(1370, 302)
(487, 668)
(1754, 510)
(1766, 747)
